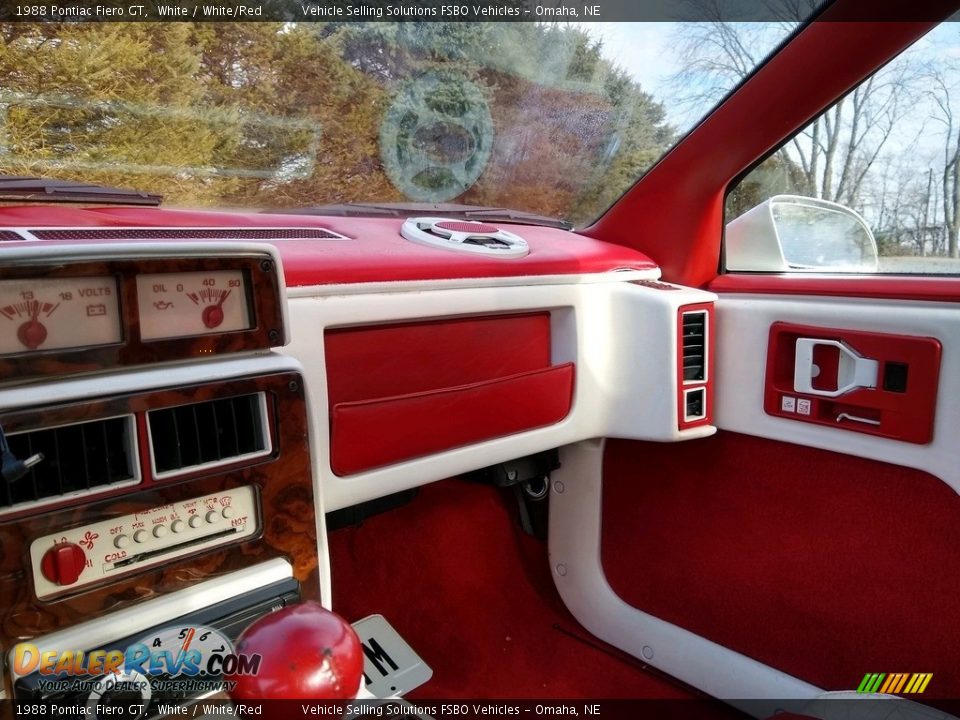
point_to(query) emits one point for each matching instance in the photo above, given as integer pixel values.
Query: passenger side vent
(10, 235)
(694, 329)
(208, 434)
(694, 404)
(77, 459)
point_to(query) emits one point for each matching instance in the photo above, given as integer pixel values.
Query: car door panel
(814, 549)
(744, 323)
(822, 565)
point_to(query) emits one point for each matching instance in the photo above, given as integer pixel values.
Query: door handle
(853, 370)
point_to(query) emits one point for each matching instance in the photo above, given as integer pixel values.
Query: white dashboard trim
(622, 337)
(393, 286)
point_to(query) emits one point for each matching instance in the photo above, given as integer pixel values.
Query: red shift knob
(307, 653)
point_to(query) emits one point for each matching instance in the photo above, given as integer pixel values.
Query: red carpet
(822, 565)
(472, 594)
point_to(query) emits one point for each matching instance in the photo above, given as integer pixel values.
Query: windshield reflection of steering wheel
(436, 137)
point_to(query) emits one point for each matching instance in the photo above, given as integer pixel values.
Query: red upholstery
(825, 566)
(372, 433)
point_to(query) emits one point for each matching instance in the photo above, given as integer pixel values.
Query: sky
(642, 49)
(648, 51)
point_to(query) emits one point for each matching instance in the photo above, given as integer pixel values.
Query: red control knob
(306, 652)
(63, 563)
(212, 316)
(32, 334)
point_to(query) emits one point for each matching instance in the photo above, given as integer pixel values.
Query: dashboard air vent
(78, 458)
(694, 345)
(694, 404)
(209, 433)
(207, 233)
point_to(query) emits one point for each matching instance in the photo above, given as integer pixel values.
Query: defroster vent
(209, 433)
(141, 233)
(77, 459)
(694, 329)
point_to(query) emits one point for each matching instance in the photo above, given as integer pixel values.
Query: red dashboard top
(374, 250)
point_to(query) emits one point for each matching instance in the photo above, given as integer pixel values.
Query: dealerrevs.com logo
(174, 660)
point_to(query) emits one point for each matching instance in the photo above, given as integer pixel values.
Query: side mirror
(795, 233)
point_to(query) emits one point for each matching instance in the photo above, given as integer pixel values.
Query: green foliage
(287, 114)
(777, 175)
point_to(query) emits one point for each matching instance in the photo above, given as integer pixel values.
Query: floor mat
(473, 595)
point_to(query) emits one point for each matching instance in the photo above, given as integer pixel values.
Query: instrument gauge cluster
(100, 307)
(193, 303)
(58, 313)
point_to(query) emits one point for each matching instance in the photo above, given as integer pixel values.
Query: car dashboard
(196, 390)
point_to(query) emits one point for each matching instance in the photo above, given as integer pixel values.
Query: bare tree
(944, 93)
(831, 157)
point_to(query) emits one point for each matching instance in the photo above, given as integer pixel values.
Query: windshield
(557, 119)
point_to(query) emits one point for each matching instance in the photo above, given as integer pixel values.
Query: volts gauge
(54, 313)
(192, 303)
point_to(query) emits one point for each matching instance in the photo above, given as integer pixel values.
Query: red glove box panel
(373, 433)
(901, 406)
(405, 390)
(378, 361)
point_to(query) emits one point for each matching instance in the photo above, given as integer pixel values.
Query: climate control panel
(91, 553)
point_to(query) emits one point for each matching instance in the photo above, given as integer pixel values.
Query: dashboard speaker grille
(76, 458)
(213, 432)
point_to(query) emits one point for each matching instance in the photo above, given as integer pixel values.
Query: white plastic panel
(621, 335)
(743, 327)
(467, 236)
(575, 559)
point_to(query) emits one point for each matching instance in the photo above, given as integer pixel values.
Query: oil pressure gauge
(192, 303)
(39, 314)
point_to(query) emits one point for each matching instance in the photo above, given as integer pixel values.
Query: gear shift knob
(307, 652)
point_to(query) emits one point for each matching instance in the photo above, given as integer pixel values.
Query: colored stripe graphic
(903, 680)
(913, 681)
(895, 683)
(891, 680)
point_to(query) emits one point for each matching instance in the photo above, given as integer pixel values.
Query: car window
(871, 185)
(557, 119)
